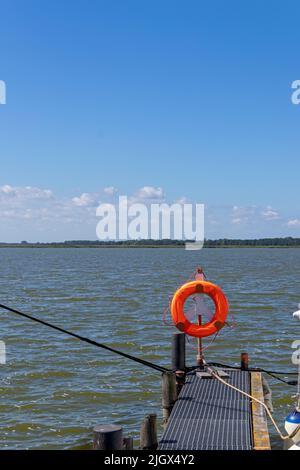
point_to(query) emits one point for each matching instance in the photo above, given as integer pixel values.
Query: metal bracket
(207, 375)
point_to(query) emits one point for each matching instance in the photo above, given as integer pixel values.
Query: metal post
(178, 351)
(199, 348)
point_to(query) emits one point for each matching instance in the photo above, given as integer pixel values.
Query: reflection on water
(54, 389)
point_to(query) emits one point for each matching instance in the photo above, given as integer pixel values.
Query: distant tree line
(287, 241)
(222, 242)
(143, 242)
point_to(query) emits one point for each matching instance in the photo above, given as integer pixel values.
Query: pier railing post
(199, 347)
(108, 437)
(169, 394)
(148, 435)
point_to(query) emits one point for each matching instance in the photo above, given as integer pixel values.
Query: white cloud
(293, 223)
(84, 200)
(150, 192)
(251, 214)
(27, 211)
(93, 199)
(6, 189)
(26, 192)
(237, 220)
(270, 214)
(242, 214)
(110, 190)
(182, 200)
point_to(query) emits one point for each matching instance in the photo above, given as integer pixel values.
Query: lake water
(54, 388)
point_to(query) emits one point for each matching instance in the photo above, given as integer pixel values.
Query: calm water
(54, 389)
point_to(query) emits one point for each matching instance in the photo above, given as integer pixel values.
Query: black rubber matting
(210, 416)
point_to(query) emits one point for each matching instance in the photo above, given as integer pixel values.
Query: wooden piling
(180, 380)
(148, 435)
(108, 437)
(244, 361)
(127, 443)
(169, 394)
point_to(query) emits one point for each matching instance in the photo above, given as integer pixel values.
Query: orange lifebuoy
(199, 287)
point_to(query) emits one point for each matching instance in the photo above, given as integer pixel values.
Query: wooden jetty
(208, 415)
(200, 412)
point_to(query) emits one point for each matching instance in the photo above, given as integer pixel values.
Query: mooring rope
(87, 340)
(215, 374)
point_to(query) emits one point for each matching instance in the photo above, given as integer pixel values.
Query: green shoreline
(139, 245)
(142, 246)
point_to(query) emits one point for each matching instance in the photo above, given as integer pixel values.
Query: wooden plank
(261, 439)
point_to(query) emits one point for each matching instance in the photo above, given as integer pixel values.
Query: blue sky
(191, 99)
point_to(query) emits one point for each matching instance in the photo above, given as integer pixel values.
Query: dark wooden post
(148, 436)
(108, 437)
(169, 394)
(178, 359)
(244, 361)
(180, 380)
(127, 443)
(178, 351)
